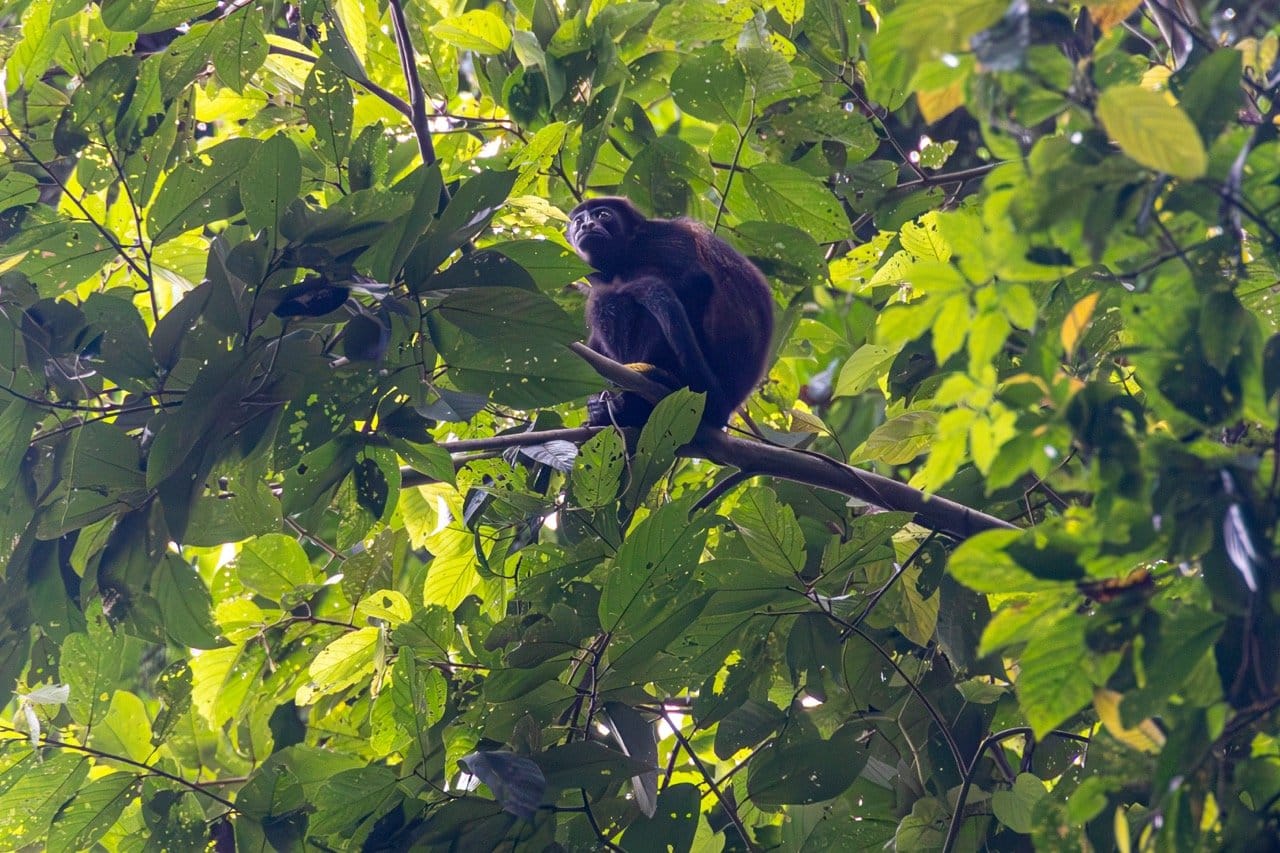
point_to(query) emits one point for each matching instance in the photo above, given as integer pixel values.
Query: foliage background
(300, 522)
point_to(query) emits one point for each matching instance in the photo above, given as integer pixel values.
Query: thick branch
(953, 519)
(757, 459)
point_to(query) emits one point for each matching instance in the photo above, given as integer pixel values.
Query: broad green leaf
(1053, 683)
(899, 440)
(806, 772)
(701, 20)
(17, 189)
(770, 529)
(188, 55)
(1015, 807)
(478, 30)
(584, 763)
(126, 15)
(95, 808)
(709, 85)
(170, 13)
(60, 255)
(270, 181)
(509, 315)
(245, 48)
(983, 563)
(91, 666)
(185, 604)
(354, 795)
(788, 195)
(340, 664)
(275, 566)
(598, 471)
(28, 807)
(1151, 130)
(664, 546)
(672, 425)
(451, 575)
(864, 369)
(672, 826)
(327, 100)
(203, 188)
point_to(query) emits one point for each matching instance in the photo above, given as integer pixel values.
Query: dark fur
(669, 293)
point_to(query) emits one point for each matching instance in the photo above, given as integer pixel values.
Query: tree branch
(753, 458)
(417, 96)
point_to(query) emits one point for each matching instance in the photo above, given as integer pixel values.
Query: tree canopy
(304, 543)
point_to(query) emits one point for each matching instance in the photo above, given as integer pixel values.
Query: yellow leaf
(940, 103)
(1144, 737)
(1152, 131)
(806, 422)
(1109, 13)
(1078, 319)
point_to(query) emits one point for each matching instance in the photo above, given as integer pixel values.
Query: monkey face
(600, 230)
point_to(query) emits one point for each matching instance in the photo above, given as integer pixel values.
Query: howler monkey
(675, 300)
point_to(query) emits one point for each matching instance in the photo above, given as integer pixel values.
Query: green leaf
(327, 101)
(1015, 808)
(275, 566)
(671, 426)
(586, 764)
(512, 316)
(701, 20)
(170, 13)
(245, 49)
(17, 189)
(203, 188)
(91, 665)
(770, 529)
(709, 85)
(270, 181)
(899, 440)
(664, 546)
(1053, 683)
(673, 825)
(1212, 94)
(94, 810)
(124, 16)
(1154, 132)
(340, 664)
(864, 369)
(806, 772)
(788, 195)
(597, 473)
(29, 805)
(478, 30)
(61, 255)
(983, 564)
(184, 603)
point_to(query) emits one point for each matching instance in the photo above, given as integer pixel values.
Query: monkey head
(601, 230)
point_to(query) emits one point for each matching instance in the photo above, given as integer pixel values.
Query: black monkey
(674, 300)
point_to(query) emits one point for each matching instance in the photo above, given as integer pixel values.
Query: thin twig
(195, 787)
(101, 229)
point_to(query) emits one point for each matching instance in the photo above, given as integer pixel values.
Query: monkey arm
(661, 301)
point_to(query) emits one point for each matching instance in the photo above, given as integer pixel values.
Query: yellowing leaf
(1077, 320)
(1109, 13)
(937, 104)
(790, 10)
(1144, 737)
(478, 30)
(899, 440)
(1153, 131)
